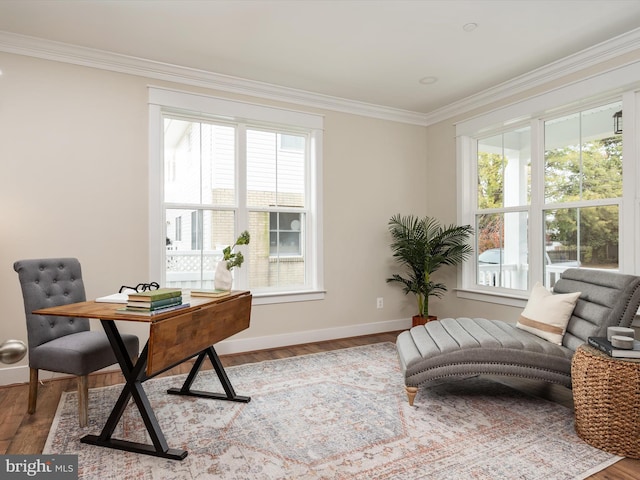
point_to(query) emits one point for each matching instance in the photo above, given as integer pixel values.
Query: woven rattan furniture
(606, 394)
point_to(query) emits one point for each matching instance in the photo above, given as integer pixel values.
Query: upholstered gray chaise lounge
(468, 346)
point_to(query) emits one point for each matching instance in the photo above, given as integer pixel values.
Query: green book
(155, 295)
(166, 302)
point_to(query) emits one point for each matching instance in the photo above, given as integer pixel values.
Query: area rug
(336, 415)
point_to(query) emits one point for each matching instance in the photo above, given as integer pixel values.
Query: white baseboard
(20, 374)
(11, 375)
(227, 347)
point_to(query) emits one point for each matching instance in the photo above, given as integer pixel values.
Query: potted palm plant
(422, 246)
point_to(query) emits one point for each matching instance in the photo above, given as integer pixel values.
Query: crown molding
(607, 50)
(88, 57)
(66, 53)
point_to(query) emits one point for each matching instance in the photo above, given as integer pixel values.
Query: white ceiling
(362, 50)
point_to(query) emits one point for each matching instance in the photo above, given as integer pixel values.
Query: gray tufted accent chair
(62, 344)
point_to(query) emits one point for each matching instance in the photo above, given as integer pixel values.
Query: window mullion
(307, 243)
(241, 275)
(157, 226)
(468, 199)
(536, 211)
(241, 176)
(630, 209)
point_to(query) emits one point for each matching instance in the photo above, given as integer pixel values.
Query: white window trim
(576, 96)
(179, 101)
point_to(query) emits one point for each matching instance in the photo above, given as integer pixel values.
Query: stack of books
(604, 345)
(154, 302)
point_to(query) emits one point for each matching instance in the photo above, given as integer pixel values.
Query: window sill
(501, 298)
(288, 297)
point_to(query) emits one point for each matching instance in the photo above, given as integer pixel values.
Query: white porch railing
(552, 274)
(505, 275)
(514, 275)
(191, 269)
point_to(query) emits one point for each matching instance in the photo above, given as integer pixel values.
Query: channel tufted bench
(458, 347)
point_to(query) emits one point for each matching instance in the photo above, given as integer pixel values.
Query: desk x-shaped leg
(230, 394)
(134, 376)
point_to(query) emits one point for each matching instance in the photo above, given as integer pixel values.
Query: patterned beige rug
(335, 415)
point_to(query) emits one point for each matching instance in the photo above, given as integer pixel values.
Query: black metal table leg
(134, 376)
(229, 394)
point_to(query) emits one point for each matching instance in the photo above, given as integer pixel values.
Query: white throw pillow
(547, 315)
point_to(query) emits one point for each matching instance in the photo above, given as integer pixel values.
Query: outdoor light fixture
(617, 122)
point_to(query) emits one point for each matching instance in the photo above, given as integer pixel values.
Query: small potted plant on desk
(422, 246)
(222, 278)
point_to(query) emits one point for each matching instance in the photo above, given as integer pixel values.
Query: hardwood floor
(21, 433)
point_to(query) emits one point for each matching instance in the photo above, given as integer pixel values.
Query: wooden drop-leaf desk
(174, 337)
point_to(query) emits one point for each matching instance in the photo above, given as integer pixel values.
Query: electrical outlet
(379, 302)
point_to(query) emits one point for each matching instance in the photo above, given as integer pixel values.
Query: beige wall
(74, 183)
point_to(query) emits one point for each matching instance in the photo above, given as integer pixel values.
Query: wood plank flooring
(21, 433)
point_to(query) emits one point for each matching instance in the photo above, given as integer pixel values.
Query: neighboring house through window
(220, 167)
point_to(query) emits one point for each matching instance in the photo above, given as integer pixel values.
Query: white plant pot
(222, 279)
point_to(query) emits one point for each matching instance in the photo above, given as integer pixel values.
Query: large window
(582, 190)
(225, 167)
(547, 196)
(502, 216)
(580, 195)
